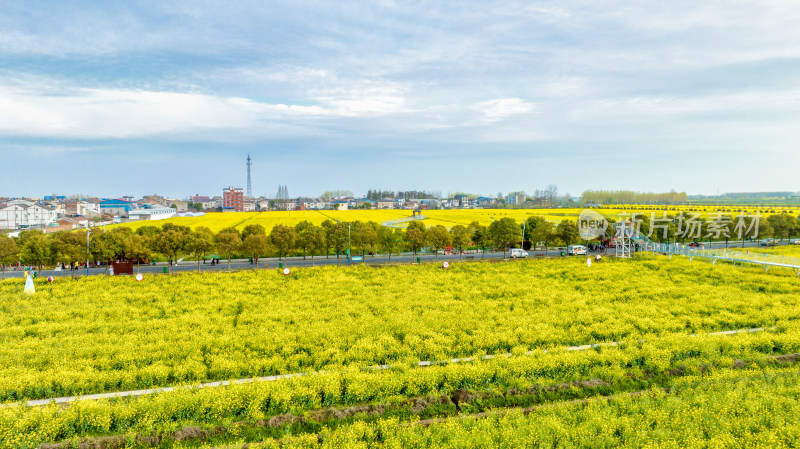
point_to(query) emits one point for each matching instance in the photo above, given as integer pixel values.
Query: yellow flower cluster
(166, 412)
(107, 334)
(448, 218)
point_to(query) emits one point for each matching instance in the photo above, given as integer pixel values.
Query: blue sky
(114, 98)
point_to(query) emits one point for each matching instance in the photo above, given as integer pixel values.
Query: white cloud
(362, 98)
(655, 108)
(547, 13)
(121, 113)
(501, 108)
(51, 150)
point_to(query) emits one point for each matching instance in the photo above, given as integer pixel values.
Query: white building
(314, 203)
(81, 208)
(516, 198)
(60, 208)
(285, 204)
(152, 213)
(208, 203)
(182, 205)
(384, 204)
(25, 214)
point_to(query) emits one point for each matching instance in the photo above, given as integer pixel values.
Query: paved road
(241, 264)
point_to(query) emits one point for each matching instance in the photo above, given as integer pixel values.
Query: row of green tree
(674, 229)
(171, 241)
(631, 197)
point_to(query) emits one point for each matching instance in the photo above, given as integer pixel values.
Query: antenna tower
(249, 185)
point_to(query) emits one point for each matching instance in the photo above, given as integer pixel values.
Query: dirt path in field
(222, 383)
(528, 410)
(457, 405)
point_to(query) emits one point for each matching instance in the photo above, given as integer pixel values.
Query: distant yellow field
(788, 251)
(448, 218)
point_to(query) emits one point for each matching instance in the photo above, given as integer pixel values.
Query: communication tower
(249, 185)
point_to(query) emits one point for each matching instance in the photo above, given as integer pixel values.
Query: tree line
(631, 197)
(69, 248)
(35, 248)
(376, 195)
(674, 229)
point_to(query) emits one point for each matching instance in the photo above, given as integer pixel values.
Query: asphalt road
(271, 263)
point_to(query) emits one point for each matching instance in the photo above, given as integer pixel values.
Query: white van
(576, 250)
(517, 252)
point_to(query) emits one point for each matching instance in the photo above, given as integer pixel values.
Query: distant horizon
(690, 196)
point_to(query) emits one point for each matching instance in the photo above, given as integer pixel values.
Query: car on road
(794, 242)
(695, 245)
(518, 253)
(576, 250)
(769, 242)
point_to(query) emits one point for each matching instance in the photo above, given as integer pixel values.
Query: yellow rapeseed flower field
(109, 334)
(198, 327)
(448, 218)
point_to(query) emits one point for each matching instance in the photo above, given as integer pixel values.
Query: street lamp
(522, 242)
(484, 248)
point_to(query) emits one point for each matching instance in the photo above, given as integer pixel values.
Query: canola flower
(718, 411)
(168, 412)
(108, 334)
(104, 334)
(447, 218)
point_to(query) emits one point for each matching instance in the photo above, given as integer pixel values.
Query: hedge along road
(273, 262)
(222, 383)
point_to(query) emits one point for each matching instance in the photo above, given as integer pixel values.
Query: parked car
(576, 250)
(518, 253)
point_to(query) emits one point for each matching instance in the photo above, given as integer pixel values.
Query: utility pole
(348, 241)
(88, 233)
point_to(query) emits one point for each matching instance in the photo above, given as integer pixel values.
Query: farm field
(688, 416)
(200, 327)
(448, 218)
(786, 250)
(111, 334)
(788, 254)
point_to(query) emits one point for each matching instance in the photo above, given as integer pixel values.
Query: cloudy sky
(113, 98)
